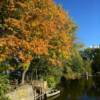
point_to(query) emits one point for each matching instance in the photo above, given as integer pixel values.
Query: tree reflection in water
(81, 89)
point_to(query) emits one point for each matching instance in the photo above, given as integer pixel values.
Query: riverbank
(72, 76)
(24, 92)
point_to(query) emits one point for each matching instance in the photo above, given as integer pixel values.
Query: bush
(4, 87)
(52, 81)
(88, 66)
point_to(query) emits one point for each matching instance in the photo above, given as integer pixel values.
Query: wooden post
(33, 93)
(40, 94)
(87, 76)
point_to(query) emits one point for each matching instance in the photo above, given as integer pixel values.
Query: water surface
(82, 89)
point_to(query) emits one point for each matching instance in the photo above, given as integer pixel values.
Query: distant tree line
(93, 55)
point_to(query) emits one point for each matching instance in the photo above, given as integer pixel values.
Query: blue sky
(86, 14)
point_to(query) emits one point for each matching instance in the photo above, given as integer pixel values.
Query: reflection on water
(81, 89)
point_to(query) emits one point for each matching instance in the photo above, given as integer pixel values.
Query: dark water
(82, 89)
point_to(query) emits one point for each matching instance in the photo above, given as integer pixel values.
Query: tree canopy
(34, 27)
(30, 28)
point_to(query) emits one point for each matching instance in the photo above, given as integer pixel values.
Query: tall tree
(31, 28)
(92, 54)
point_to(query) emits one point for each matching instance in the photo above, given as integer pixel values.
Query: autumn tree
(30, 28)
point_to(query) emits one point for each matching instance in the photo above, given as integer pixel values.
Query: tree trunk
(23, 77)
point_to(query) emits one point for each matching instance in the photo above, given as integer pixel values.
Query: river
(82, 89)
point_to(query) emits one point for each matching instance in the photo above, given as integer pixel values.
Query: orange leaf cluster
(42, 26)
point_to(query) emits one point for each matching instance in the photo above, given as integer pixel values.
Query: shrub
(4, 87)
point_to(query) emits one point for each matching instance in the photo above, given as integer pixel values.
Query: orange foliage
(42, 26)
